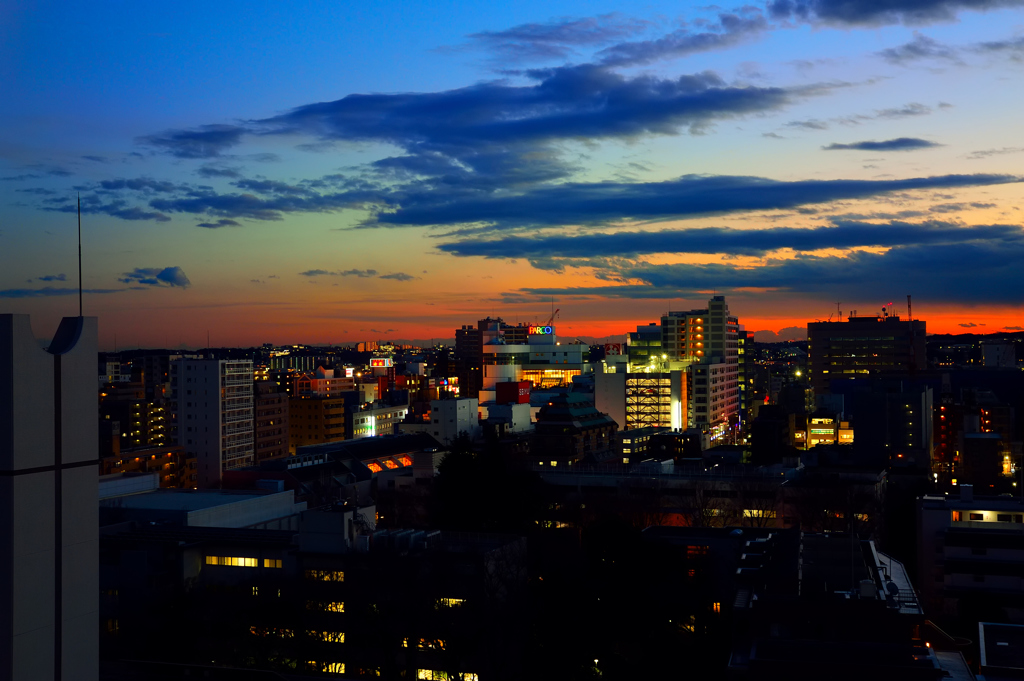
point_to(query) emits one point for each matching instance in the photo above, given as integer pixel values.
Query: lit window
(449, 602)
(434, 675)
(275, 632)
(327, 636)
(325, 575)
(232, 561)
(327, 667)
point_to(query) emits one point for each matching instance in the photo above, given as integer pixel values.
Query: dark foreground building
(334, 599)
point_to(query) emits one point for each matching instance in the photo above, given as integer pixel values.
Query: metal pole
(79, 255)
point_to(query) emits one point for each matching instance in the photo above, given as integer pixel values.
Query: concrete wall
(246, 512)
(610, 396)
(49, 550)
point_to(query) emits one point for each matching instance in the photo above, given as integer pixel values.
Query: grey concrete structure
(213, 414)
(49, 588)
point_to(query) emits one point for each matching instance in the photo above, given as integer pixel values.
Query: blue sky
(322, 172)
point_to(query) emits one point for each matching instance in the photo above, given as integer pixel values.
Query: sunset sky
(336, 172)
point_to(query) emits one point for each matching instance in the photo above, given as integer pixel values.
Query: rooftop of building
(867, 320)
(1002, 649)
(183, 499)
(967, 500)
(373, 447)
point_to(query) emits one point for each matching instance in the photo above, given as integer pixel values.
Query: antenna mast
(79, 255)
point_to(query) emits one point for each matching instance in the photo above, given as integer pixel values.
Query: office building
(169, 463)
(213, 407)
(697, 335)
(971, 554)
(642, 400)
(270, 421)
(644, 349)
(315, 420)
(863, 346)
(49, 551)
(324, 382)
(451, 418)
(370, 419)
(570, 429)
(140, 422)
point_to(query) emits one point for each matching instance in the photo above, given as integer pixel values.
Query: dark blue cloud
(214, 171)
(48, 292)
(223, 222)
(730, 29)
(898, 144)
(95, 204)
(207, 141)
(398, 276)
(157, 276)
(985, 153)
(750, 242)
(362, 274)
(880, 12)
(1013, 46)
(921, 47)
(690, 195)
(53, 277)
(209, 202)
(960, 273)
(579, 102)
(555, 39)
(141, 184)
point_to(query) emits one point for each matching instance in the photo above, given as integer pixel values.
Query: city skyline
(327, 174)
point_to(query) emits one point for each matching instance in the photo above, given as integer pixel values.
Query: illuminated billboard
(541, 330)
(381, 362)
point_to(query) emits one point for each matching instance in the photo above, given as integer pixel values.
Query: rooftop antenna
(839, 313)
(79, 254)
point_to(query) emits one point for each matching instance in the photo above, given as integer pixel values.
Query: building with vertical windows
(971, 554)
(315, 420)
(570, 429)
(745, 374)
(863, 346)
(270, 420)
(706, 342)
(49, 543)
(140, 422)
(213, 414)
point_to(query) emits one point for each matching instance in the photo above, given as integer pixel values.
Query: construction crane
(552, 317)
